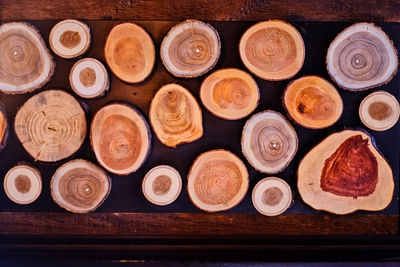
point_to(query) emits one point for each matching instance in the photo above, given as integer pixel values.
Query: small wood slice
(230, 94)
(345, 173)
(313, 102)
(162, 185)
(80, 186)
(362, 57)
(130, 52)
(272, 196)
(4, 127)
(89, 78)
(70, 38)
(269, 142)
(175, 116)
(26, 63)
(218, 180)
(120, 138)
(23, 184)
(379, 111)
(190, 49)
(273, 50)
(51, 125)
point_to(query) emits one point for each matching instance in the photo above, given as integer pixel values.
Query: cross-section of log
(362, 57)
(175, 115)
(130, 52)
(218, 180)
(230, 94)
(120, 138)
(4, 127)
(162, 185)
(70, 38)
(379, 111)
(25, 62)
(89, 78)
(190, 49)
(269, 142)
(273, 50)
(23, 184)
(313, 102)
(51, 125)
(80, 186)
(345, 173)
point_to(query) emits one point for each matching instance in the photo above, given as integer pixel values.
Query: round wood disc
(162, 185)
(89, 78)
(272, 196)
(218, 180)
(230, 94)
(70, 38)
(379, 111)
(190, 49)
(120, 138)
(23, 184)
(26, 63)
(80, 186)
(51, 125)
(362, 57)
(130, 52)
(3, 127)
(273, 50)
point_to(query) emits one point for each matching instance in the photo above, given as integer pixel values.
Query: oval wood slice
(269, 142)
(130, 52)
(218, 180)
(26, 63)
(51, 125)
(313, 102)
(273, 50)
(230, 94)
(362, 57)
(80, 186)
(345, 173)
(120, 138)
(190, 49)
(175, 116)
(4, 127)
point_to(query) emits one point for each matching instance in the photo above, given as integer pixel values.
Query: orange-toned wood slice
(4, 127)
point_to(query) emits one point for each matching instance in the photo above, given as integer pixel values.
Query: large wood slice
(273, 50)
(345, 173)
(25, 62)
(4, 127)
(80, 186)
(51, 125)
(120, 138)
(130, 52)
(362, 57)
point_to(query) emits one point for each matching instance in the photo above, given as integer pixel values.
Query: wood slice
(362, 57)
(190, 49)
(272, 196)
(51, 125)
(4, 127)
(120, 138)
(89, 78)
(70, 38)
(162, 185)
(26, 63)
(313, 102)
(130, 52)
(269, 142)
(23, 184)
(230, 94)
(379, 111)
(218, 180)
(273, 50)
(345, 173)
(80, 186)
(175, 116)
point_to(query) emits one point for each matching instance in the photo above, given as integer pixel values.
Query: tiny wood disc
(4, 127)
(23, 184)
(70, 38)
(162, 185)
